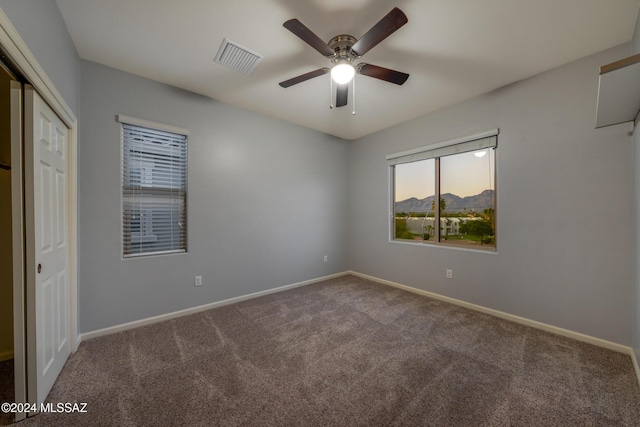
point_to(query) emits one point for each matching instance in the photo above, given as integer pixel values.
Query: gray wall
(41, 26)
(564, 206)
(636, 169)
(266, 201)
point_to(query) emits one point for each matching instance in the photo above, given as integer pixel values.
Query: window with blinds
(154, 188)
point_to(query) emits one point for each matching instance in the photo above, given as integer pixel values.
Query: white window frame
(146, 230)
(479, 141)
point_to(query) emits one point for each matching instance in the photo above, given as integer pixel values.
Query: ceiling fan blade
(383, 29)
(308, 36)
(341, 95)
(382, 73)
(304, 77)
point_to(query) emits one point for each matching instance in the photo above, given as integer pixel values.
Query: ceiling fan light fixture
(343, 73)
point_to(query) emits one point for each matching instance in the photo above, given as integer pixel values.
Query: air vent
(237, 57)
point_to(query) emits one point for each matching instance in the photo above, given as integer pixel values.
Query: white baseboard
(175, 314)
(636, 363)
(6, 355)
(517, 319)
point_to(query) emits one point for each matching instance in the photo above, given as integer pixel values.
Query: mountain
(453, 203)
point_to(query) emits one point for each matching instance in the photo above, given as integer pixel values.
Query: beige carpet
(344, 352)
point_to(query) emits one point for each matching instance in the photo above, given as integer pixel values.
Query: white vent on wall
(237, 57)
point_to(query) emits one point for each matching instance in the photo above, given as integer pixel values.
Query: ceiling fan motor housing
(341, 45)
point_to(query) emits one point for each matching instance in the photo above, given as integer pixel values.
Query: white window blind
(154, 190)
(446, 148)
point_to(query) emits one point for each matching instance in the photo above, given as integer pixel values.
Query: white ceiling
(452, 49)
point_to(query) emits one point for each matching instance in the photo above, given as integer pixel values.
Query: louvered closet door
(46, 141)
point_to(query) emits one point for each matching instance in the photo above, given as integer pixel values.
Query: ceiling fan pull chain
(330, 93)
(353, 112)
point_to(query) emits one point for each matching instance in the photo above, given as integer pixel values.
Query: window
(445, 193)
(154, 188)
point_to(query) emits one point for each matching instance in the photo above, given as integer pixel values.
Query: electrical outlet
(326, 258)
(449, 274)
(198, 281)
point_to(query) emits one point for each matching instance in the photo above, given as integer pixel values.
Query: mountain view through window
(464, 187)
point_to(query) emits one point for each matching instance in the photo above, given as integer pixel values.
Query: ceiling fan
(343, 50)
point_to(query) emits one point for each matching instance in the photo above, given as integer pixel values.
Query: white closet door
(46, 202)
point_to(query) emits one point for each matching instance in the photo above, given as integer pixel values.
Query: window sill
(153, 254)
(479, 249)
